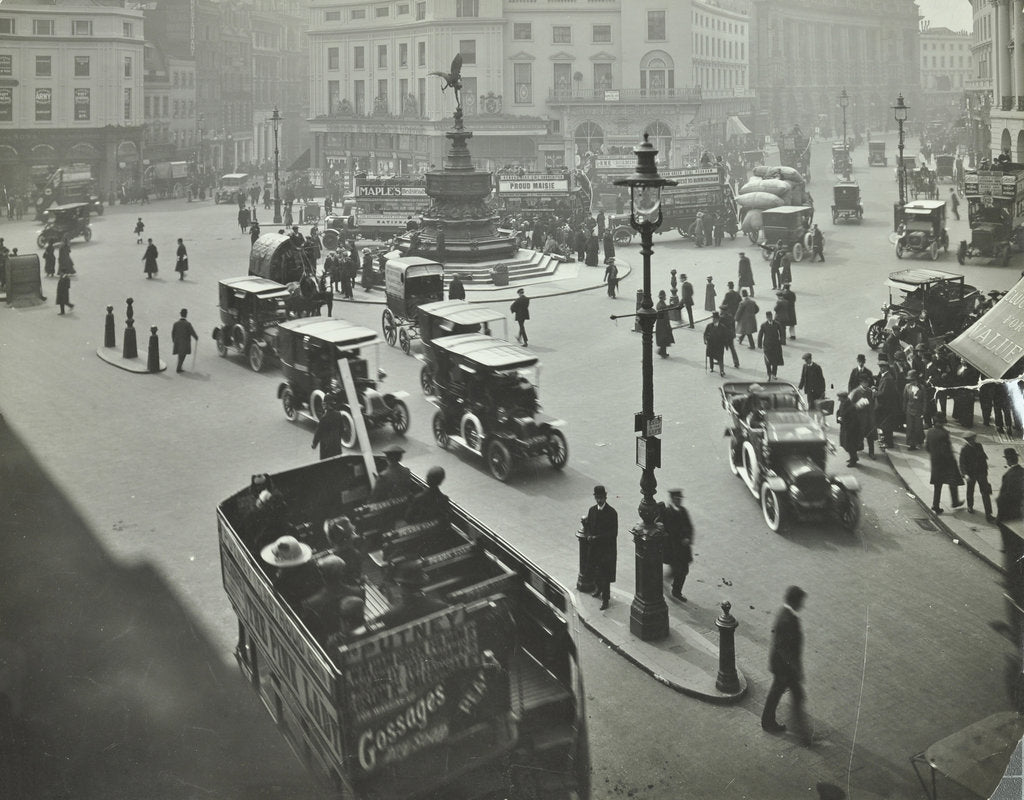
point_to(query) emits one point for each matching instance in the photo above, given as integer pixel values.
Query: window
(359, 96)
(127, 66)
(421, 54)
(332, 58)
(358, 58)
(421, 11)
(382, 55)
(467, 8)
(402, 9)
(128, 30)
(333, 96)
(562, 76)
(44, 104)
(7, 25)
(381, 11)
(382, 90)
(128, 103)
(175, 109)
(523, 82)
(167, 113)
(42, 27)
(561, 34)
(81, 27)
(656, 26)
(522, 31)
(602, 76)
(467, 47)
(145, 106)
(403, 54)
(359, 13)
(81, 66)
(602, 33)
(332, 16)
(43, 67)
(6, 63)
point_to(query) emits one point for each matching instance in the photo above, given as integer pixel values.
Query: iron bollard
(728, 680)
(636, 319)
(675, 313)
(585, 579)
(153, 363)
(130, 349)
(109, 339)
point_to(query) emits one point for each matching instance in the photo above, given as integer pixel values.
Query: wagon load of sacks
(771, 186)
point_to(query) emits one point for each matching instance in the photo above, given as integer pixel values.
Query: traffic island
(113, 357)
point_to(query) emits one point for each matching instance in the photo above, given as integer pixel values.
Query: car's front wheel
(348, 429)
(222, 348)
(849, 510)
(771, 508)
(750, 468)
(876, 334)
(440, 431)
(558, 449)
(427, 380)
(731, 455)
(257, 357)
(499, 459)
(288, 403)
(400, 417)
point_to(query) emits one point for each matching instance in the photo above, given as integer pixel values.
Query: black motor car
(68, 221)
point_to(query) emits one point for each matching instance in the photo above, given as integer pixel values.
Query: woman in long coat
(149, 258)
(663, 327)
(608, 242)
(49, 260)
(769, 339)
(181, 266)
(590, 256)
(709, 295)
(65, 266)
(746, 319)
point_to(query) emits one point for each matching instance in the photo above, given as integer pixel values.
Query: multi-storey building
(169, 107)
(544, 81)
(71, 83)
(946, 68)
(721, 68)
(1006, 116)
(805, 52)
(978, 88)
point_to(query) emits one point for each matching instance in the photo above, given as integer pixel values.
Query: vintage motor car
(68, 221)
(995, 213)
(451, 318)
(789, 224)
(876, 155)
(779, 449)
(842, 164)
(923, 229)
(251, 308)
(486, 399)
(945, 166)
(408, 282)
(232, 186)
(846, 203)
(946, 301)
(310, 351)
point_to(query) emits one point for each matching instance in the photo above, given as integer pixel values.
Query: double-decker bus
(479, 694)
(379, 207)
(564, 194)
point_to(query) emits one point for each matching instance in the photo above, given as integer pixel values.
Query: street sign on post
(648, 452)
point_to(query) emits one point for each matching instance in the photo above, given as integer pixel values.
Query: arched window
(657, 74)
(660, 136)
(589, 136)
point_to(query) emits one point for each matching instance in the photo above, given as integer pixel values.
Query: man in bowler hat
(602, 522)
(678, 541)
(785, 660)
(182, 334)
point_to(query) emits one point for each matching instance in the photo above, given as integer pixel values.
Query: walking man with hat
(745, 279)
(520, 309)
(678, 541)
(944, 468)
(182, 334)
(328, 429)
(974, 466)
(1011, 488)
(812, 381)
(785, 660)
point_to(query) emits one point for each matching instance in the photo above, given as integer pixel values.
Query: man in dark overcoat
(812, 381)
(851, 439)
(888, 403)
(328, 430)
(974, 466)
(943, 464)
(456, 291)
(769, 339)
(1011, 489)
(678, 541)
(686, 298)
(182, 334)
(602, 523)
(745, 279)
(785, 660)
(663, 327)
(715, 336)
(149, 260)
(520, 309)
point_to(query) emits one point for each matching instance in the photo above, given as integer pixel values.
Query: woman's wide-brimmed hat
(286, 552)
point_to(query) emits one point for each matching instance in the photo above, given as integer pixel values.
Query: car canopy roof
(486, 351)
(919, 276)
(68, 207)
(786, 210)
(923, 206)
(792, 427)
(461, 312)
(335, 331)
(413, 266)
(254, 285)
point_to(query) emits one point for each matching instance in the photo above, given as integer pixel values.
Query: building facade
(805, 52)
(169, 107)
(1006, 116)
(721, 68)
(71, 88)
(978, 89)
(946, 68)
(544, 82)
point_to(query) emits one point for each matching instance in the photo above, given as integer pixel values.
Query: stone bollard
(109, 339)
(130, 349)
(675, 313)
(728, 680)
(585, 579)
(153, 364)
(636, 319)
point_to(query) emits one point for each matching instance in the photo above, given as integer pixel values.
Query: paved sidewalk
(969, 530)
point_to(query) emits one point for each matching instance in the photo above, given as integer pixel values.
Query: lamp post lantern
(844, 101)
(648, 617)
(276, 119)
(900, 112)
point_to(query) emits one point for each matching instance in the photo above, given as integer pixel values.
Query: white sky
(952, 14)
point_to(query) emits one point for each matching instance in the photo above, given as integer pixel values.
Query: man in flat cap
(812, 381)
(395, 480)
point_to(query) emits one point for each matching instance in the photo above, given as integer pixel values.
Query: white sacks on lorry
(759, 200)
(752, 222)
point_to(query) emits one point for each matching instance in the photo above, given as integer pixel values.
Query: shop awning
(995, 343)
(734, 127)
(301, 163)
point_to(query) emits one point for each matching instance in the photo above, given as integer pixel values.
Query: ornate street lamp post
(844, 101)
(900, 112)
(276, 119)
(648, 617)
